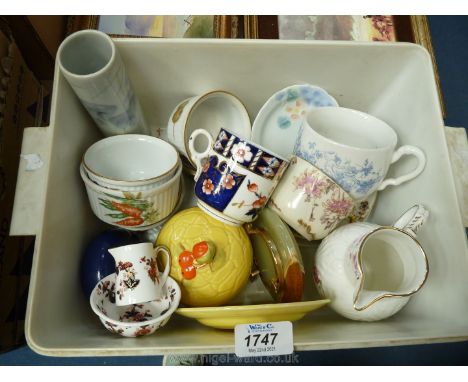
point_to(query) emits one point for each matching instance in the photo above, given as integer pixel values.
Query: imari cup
(234, 178)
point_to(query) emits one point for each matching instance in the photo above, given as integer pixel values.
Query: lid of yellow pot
(210, 260)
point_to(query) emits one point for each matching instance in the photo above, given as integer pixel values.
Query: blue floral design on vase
(356, 179)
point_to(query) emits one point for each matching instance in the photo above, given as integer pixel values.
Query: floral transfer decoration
(256, 205)
(249, 156)
(354, 257)
(130, 210)
(360, 212)
(417, 220)
(107, 289)
(329, 203)
(352, 178)
(151, 267)
(335, 210)
(136, 313)
(144, 330)
(217, 184)
(129, 280)
(134, 320)
(171, 294)
(241, 152)
(317, 280)
(307, 228)
(113, 328)
(298, 100)
(228, 181)
(208, 187)
(311, 185)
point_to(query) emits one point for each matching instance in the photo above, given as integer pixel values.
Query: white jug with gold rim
(369, 272)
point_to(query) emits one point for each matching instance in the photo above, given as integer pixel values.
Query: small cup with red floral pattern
(137, 275)
(235, 177)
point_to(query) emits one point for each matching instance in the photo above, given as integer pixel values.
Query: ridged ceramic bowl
(134, 188)
(131, 162)
(139, 210)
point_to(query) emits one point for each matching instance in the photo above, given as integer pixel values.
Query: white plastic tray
(393, 81)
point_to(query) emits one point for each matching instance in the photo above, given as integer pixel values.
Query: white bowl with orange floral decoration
(136, 210)
(134, 320)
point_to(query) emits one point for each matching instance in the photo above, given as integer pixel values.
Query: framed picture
(413, 29)
(176, 26)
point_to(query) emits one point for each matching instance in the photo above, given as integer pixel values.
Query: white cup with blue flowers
(355, 149)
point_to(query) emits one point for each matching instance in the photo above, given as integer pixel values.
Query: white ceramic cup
(309, 201)
(137, 275)
(124, 162)
(353, 148)
(90, 62)
(210, 111)
(234, 178)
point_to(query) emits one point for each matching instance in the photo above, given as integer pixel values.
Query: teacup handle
(198, 156)
(405, 150)
(162, 249)
(413, 219)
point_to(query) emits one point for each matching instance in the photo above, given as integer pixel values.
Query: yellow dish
(227, 317)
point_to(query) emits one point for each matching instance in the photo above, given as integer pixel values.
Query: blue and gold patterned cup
(235, 178)
(353, 148)
(91, 63)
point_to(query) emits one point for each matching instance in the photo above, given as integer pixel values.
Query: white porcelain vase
(369, 272)
(92, 65)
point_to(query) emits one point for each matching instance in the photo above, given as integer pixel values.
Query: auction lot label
(267, 338)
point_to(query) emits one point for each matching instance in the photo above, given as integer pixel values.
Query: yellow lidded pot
(210, 260)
